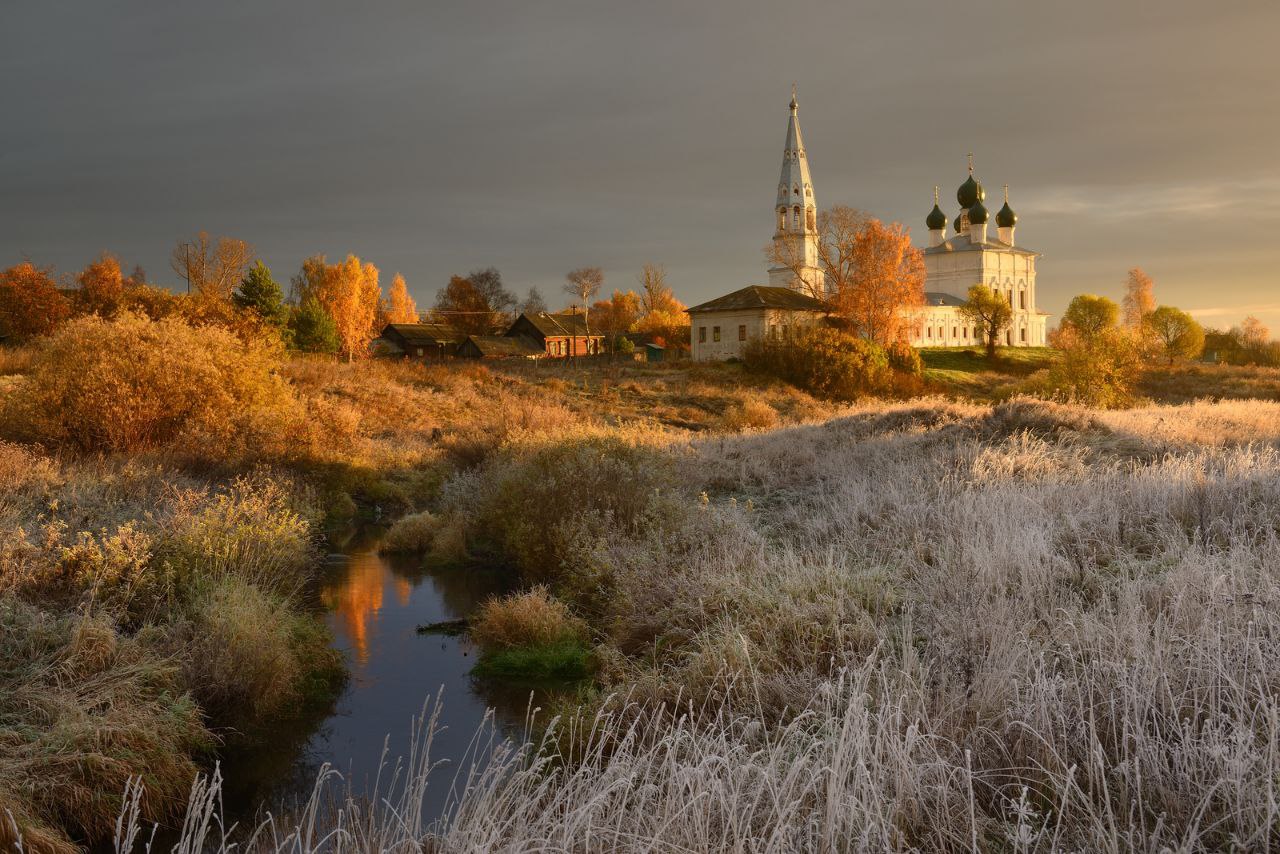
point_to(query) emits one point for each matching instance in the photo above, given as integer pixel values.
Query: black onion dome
(1006, 218)
(967, 195)
(936, 220)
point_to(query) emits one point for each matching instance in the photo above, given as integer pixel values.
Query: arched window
(813, 223)
(799, 222)
(782, 219)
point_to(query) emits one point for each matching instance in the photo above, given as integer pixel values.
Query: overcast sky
(435, 138)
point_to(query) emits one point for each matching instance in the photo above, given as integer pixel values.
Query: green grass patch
(1012, 361)
(967, 372)
(564, 661)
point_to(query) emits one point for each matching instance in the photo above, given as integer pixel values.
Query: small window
(784, 330)
(742, 332)
(953, 333)
(1022, 300)
(1022, 333)
(421, 352)
(773, 331)
(715, 333)
(928, 332)
(702, 335)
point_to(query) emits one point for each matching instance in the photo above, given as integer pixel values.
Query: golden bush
(131, 383)
(532, 618)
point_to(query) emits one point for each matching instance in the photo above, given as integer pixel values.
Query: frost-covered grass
(923, 626)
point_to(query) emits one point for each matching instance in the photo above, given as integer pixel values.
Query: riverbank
(156, 546)
(912, 626)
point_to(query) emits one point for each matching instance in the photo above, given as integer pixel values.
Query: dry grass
(531, 618)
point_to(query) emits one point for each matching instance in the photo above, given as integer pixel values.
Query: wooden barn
(499, 347)
(560, 335)
(417, 340)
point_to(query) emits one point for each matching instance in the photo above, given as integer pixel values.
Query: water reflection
(373, 604)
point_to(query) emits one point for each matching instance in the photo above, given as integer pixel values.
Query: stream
(373, 604)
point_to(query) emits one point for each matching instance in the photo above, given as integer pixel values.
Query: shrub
(825, 362)
(245, 655)
(545, 508)
(253, 530)
(130, 384)
(82, 710)
(749, 414)
(530, 635)
(532, 618)
(1099, 371)
(412, 533)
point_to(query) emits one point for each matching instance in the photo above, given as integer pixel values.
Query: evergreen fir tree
(311, 328)
(260, 293)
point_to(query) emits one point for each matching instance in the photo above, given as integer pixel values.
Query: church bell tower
(795, 239)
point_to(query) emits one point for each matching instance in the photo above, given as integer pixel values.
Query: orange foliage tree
(101, 287)
(467, 308)
(30, 303)
(614, 317)
(661, 314)
(349, 293)
(211, 268)
(401, 307)
(873, 276)
(1139, 298)
(881, 280)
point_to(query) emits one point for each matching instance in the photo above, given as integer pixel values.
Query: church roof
(762, 296)
(940, 298)
(962, 243)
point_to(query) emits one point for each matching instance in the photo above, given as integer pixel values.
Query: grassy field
(966, 371)
(913, 626)
(933, 624)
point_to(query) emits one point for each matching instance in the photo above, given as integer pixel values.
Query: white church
(721, 327)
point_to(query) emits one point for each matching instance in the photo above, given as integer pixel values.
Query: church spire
(795, 239)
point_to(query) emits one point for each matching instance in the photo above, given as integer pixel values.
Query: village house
(417, 340)
(500, 347)
(723, 326)
(559, 336)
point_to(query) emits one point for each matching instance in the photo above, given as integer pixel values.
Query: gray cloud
(435, 138)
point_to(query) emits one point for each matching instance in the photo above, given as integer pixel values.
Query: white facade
(718, 335)
(970, 258)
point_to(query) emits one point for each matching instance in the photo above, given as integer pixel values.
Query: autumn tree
(887, 282)
(988, 311)
(1089, 315)
(349, 293)
(465, 308)
(661, 314)
(401, 307)
(211, 268)
(533, 302)
(582, 285)
(1139, 299)
(1177, 333)
(617, 315)
(30, 303)
(259, 293)
(872, 274)
(1253, 334)
(102, 287)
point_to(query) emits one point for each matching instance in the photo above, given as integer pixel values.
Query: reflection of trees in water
(356, 598)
